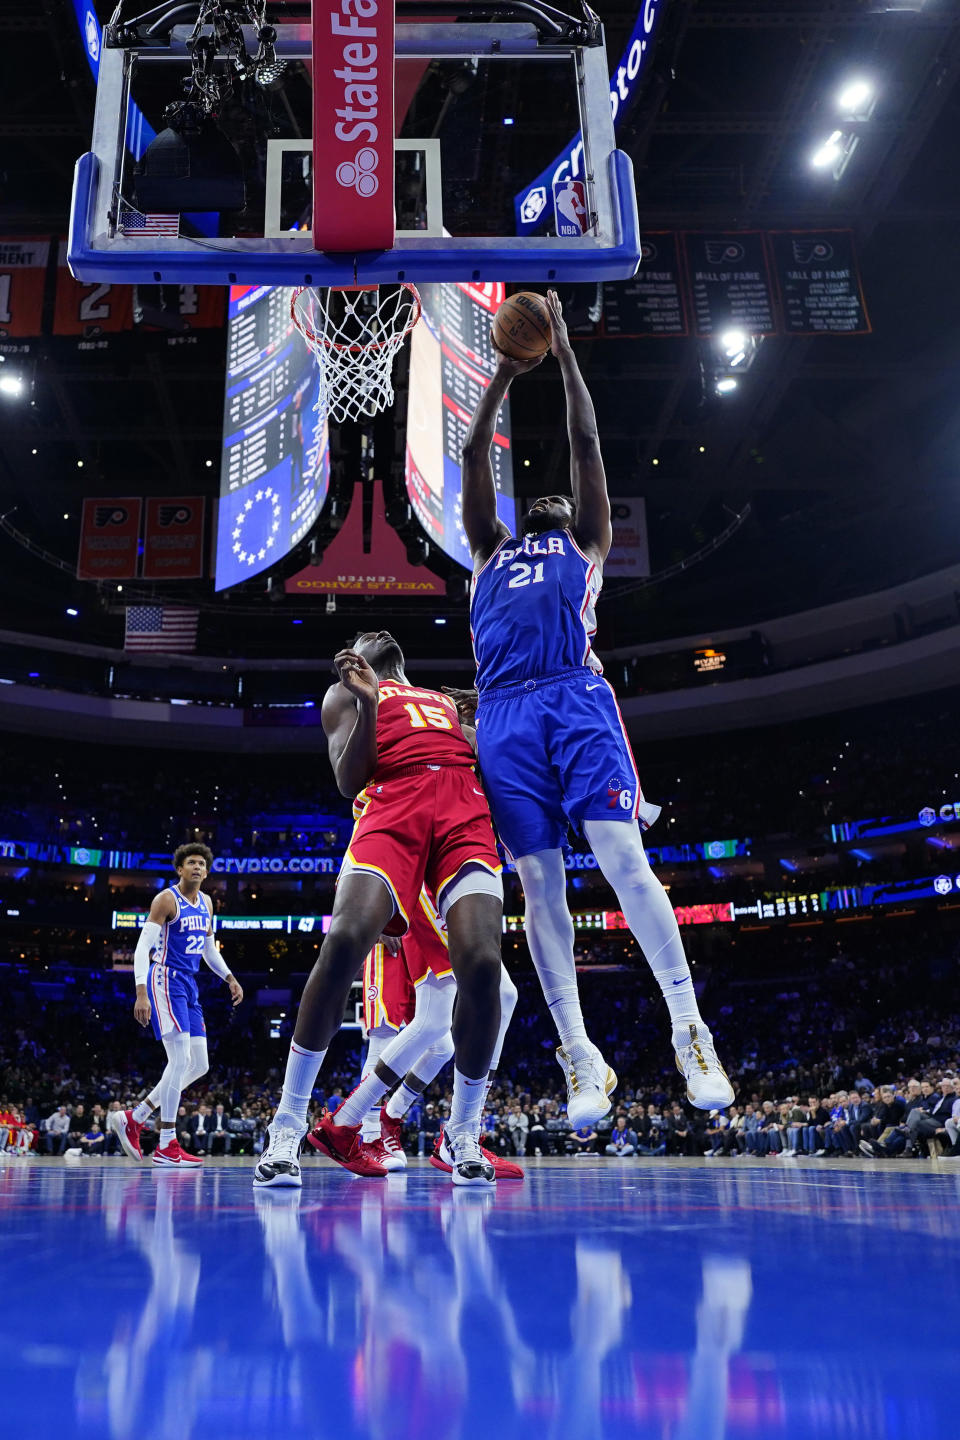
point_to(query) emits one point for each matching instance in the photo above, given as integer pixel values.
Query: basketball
(521, 327)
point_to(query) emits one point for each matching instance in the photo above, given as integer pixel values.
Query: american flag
(155, 627)
(133, 223)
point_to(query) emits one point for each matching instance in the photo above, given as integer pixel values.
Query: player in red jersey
(424, 820)
(409, 991)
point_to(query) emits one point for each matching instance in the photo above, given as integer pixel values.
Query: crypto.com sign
(534, 203)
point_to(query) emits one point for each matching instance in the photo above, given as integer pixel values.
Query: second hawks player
(400, 750)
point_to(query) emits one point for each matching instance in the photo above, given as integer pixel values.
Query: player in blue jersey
(177, 935)
(550, 739)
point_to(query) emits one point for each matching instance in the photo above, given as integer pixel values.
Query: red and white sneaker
(390, 1132)
(343, 1144)
(187, 1159)
(167, 1155)
(127, 1131)
(503, 1169)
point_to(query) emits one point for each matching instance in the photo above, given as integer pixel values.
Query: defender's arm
(349, 719)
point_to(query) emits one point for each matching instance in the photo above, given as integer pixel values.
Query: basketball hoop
(355, 334)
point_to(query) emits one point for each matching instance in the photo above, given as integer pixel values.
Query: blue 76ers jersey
(181, 944)
(532, 610)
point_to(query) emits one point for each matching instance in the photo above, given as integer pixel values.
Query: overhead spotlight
(11, 385)
(857, 99)
(726, 384)
(733, 341)
(827, 153)
(834, 153)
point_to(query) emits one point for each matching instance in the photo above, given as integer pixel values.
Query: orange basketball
(521, 327)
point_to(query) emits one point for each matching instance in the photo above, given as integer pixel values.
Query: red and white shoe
(390, 1131)
(343, 1144)
(187, 1159)
(167, 1155)
(503, 1169)
(127, 1131)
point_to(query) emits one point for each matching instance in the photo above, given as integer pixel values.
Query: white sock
(369, 1092)
(303, 1067)
(168, 1134)
(646, 906)
(550, 939)
(467, 1108)
(377, 1042)
(143, 1112)
(401, 1100)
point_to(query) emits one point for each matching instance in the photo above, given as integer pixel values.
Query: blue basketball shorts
(174, 1002)
(554, 753)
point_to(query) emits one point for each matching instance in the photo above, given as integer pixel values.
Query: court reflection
(585, 1304)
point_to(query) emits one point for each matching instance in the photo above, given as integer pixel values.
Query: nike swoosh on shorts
(594, 687)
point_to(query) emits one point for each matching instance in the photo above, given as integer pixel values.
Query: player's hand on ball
(357, 676)
(511, 367)
(559, 339)
(465, 701)
(236, 991)
(141, 1008)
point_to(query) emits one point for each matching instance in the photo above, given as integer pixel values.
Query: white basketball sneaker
(280, 1162)
(708, 1087)
(470, 1165)
(590, 1083)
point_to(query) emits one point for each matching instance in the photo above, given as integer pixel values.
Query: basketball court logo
(360, 173)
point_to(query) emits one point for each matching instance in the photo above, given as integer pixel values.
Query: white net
(355, 336)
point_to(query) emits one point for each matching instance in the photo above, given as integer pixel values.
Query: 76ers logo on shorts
(618, 796)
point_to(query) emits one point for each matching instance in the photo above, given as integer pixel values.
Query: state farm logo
(358, 112)
(360, 173)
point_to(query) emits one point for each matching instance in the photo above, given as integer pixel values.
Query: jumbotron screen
(451, 362)
(275, 463)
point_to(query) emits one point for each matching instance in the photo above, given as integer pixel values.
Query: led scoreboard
(451, 362)
(275, 462)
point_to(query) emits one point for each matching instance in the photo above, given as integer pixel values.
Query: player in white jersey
(550, 739)
(178, 934)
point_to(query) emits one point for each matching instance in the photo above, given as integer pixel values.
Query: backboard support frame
(98, 253)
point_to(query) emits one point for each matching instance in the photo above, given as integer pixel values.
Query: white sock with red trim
(303, 1067)
(377, 1040)
(466, 1110)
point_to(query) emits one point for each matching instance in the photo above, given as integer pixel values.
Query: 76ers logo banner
(353, 61)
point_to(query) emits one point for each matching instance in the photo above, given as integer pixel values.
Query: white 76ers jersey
(532, 610)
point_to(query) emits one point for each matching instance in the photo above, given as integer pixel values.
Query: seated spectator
(220, 1137)
(653, 1139)
(878, 1133)
(91, 1142)
(56, 1131)
(79, 1124)
(198, 1131)
(518, 1124)
(679, 1134)
(582, 1141)
(717, 1124)
(429, 1130)
(623, 1141)
(814, 1130)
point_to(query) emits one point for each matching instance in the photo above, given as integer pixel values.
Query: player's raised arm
(483, 527)
(349, 719)
(162, 908)
(592, 529)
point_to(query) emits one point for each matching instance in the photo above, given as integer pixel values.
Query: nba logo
(570, 207)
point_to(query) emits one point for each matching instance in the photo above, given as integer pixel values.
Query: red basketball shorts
(390, 981)
(420, 829)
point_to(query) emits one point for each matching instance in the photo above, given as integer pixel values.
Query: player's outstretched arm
(349, 719)
(162, 909)
(483, 527)
(592, 530)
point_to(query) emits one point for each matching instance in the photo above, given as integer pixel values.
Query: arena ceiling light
(727, 384)
(834, 153)
(11, 385)
(732, 342)
(857, 98)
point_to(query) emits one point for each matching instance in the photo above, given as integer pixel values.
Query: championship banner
(353, 161)
(729, 282)
(173, 538)
(109, 533)
(819, 282)
(23, 273)
(89, 311)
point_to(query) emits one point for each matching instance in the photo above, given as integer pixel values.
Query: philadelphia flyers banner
(353, 164)
(109, 534)
(173, 538)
